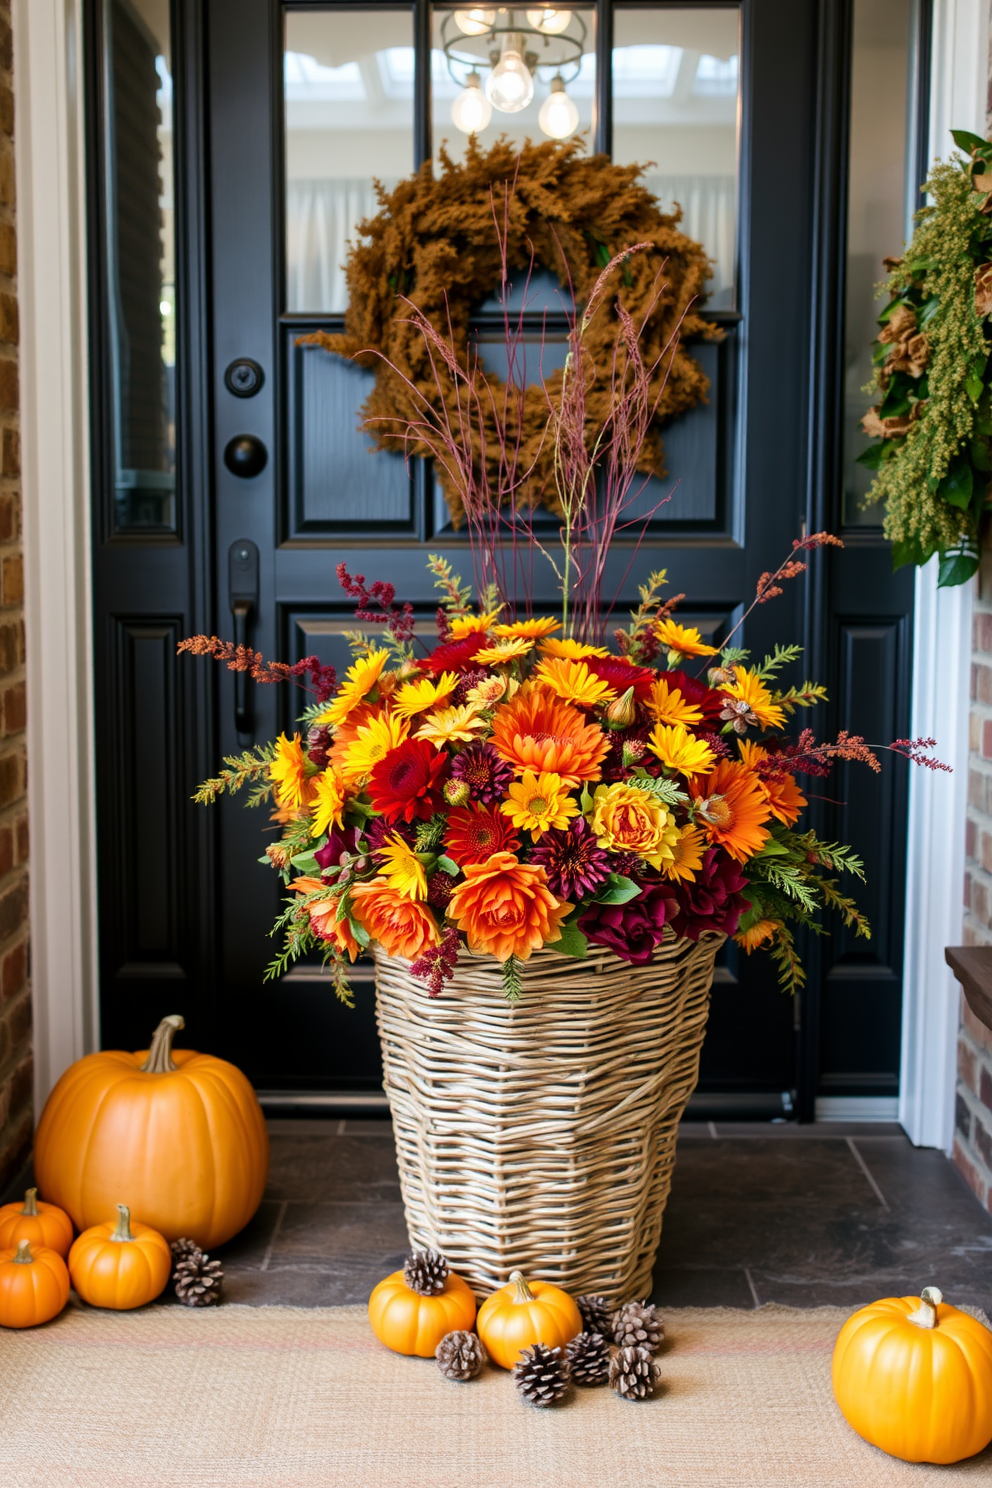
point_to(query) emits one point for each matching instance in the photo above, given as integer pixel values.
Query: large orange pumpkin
(181, 1138)
(120, 1266)
(914, 1377)
(41, 1224)
(524, 1313)
(34, 1285)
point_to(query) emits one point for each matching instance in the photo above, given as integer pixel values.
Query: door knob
(245, 455)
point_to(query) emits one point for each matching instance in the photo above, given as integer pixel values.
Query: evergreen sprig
(241, 769)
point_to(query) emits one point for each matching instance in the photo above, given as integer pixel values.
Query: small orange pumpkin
(521, 1314)
(914, 1377)
(411, 1318)
(34, 1285)
(41, 1224)
(120, 1266)
(182, 1137)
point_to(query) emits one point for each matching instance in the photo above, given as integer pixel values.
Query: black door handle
(245, 455)
(242, 570)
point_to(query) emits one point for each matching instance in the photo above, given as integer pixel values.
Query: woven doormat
(297, 1398)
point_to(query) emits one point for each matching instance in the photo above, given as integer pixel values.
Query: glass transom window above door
(672, 94)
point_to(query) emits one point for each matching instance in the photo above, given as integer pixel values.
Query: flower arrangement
(932, 428)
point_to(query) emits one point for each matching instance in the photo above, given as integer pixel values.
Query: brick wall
(15, 994)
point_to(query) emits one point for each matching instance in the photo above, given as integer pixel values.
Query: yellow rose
(626, 819)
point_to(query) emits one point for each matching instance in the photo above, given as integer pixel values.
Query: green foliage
(633, 641)
(430, 833)
(252, 766)
(456, 598)
(512, 985)
(664, 790)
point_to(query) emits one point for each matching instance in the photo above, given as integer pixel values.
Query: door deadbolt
(244, 378)
(246, 456)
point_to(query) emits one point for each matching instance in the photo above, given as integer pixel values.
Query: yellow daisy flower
(749, 689)
(679, 750)
(328, 801)
(681, 641)
(403, 870)
(452, 725)
(688, 852)
(569, 649)
(492, 690)
(669, 706)
(574, 681)
(358, 682)
(533, 630)
(373, 741)
(538, 802)
(416, 697)
(463, 625)
(504, 652)
(288, 773)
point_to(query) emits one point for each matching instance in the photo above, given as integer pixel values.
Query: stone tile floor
(809, 1216)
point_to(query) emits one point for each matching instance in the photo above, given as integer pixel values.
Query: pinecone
(597, 1315)
(460, 1355)
(425, 1271)
(541, 1374)
(183, 1248)
(198, 1280)
(588, 1356)
(634, 1373)
(638, 1325)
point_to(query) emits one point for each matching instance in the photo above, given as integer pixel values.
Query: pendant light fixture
(558, 116)
(475, 22)
(471, 110)
(510, 87)
(551, 22)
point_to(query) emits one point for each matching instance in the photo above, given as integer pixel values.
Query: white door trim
(55, 462)
(941, 691)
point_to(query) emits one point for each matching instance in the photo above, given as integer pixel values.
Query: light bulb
(558, 117)
(551, 22)
(471, 110)
(510, 87)
(475, 22)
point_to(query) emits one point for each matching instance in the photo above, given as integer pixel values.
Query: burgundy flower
(622, 674)
(437, 965)
(378, 831)
(696, 692)
(576, 866)
(407, 782)
(318, 743)
(341, 843)
(440, 887)
(454, 656)
(713, 901)
(631, 930)
(482, 770)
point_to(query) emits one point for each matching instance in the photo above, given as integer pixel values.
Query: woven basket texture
(540, 1136)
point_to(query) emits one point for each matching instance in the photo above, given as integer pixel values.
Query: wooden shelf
(972, 965)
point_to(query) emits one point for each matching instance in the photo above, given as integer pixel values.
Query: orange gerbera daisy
(682, 640)
(327, 806)
(758, 935)
(288, 773)
(357, 683)
(402, 926)
(573, 681)
(784, 796)
(688, 852)
(323, 918)
(732, 809)
(474, 833)
(539, 732)
(571, 650)
(534, 629)
(506, 909)
(757, 702)
(463, 625)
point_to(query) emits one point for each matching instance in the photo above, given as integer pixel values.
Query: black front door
(282, 116)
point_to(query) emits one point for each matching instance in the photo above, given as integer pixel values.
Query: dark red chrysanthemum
(576, 866)
(622, 674)
(695, 692)
(711, 901)
(485, 774)
(455, 655)
(476, 832)
(406, 783)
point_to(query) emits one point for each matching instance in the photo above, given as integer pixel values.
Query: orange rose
(506, 908)
(403, 927)
(323, 918)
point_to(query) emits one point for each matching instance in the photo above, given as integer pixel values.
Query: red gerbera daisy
(454, 656)
(406, 783)
(622, 674)
(475, 832)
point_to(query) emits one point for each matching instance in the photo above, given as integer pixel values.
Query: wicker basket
(540, 1136)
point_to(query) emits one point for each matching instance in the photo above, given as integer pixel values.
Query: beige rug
(292, 1398)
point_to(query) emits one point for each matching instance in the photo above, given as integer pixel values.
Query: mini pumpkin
(523, 1313)
(34, 1285)
(41, 1224)
(120, 1266)
(913, 1376)
(413, 1309)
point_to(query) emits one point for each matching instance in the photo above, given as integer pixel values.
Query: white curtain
(709, 214)
(322, 215)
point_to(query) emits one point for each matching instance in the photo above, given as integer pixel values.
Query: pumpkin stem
(925, 1315)
(123, 1230)
(160, 1061)
(23, 1256)
(31, 1203)
(524, 1293)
